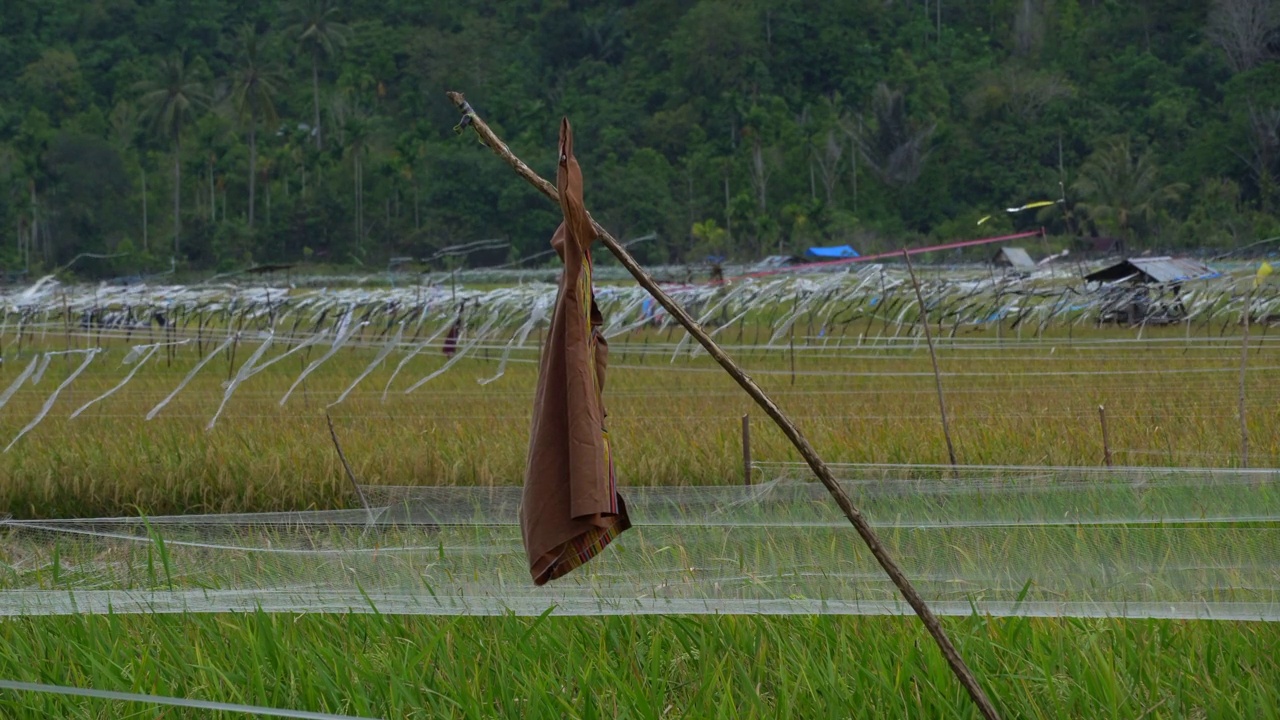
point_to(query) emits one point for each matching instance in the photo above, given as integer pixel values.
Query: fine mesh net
(1129, 542)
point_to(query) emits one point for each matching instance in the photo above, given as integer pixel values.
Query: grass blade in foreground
(958, 666)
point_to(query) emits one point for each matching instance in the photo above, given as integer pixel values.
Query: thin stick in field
(333, 435)
(1106, 438)
(1244, 365)
(801, 443)
(937, 376)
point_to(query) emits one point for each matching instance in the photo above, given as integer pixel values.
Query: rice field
(1171, 400)
(1168, 402)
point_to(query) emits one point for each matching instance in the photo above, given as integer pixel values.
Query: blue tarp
(828, 253)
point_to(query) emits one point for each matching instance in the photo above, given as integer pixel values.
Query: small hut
(1153, 271)
(1012, 257)
(1147, 290)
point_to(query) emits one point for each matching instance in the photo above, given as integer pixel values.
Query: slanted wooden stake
(333, 435)
(820, 469)
(792, 343)
(1106, 437)
(746, 449)
(937, 376)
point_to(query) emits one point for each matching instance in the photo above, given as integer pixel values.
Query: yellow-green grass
(672, 422)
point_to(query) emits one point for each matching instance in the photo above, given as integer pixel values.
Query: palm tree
(123, 133)
(894, 146)
(169, 100)
(358, 135)
(319, 34)
(1118, 188)
(10, 168)
(255, 84)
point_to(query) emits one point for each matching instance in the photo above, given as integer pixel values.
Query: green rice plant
(673, 666)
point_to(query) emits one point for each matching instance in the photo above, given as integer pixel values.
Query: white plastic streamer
(17, 383)
(346, 330)
(241, 375)
(707, 315)
(44, 365)
(392, 344)
(89, 355)
(414, 353)
(312, 340)
(170, 701)
(517, 340)
(199, 366)
(146, 355)
(343, 325)
(462, 352)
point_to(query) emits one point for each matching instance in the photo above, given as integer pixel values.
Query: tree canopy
(224, 132)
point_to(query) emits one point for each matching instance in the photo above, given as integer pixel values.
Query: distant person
(455, 333)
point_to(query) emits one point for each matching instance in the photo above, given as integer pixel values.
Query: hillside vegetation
(223, 132)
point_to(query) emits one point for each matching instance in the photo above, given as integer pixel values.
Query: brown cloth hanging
(571, 508)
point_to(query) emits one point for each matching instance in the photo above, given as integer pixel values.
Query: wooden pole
(801, 443)
(200, 335)
(66, 320)
(333, 435)
(746, 449)
(1106, 437)
(937, 376)
(1244, 364)
(792, 343)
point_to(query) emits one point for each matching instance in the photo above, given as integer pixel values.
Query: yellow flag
(1032, 205)
(1263, 271)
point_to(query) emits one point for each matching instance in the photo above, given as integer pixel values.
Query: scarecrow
(571, 509)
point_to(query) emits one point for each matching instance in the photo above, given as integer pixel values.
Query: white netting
(1034, 541)
(866, 303)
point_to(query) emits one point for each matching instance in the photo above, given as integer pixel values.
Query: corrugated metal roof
(1166, 269)
(1017, 257)
(1155, 269)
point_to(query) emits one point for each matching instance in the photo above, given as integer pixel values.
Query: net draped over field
(863, 303)
(87, 368)
(830, 314)
(1121, 542)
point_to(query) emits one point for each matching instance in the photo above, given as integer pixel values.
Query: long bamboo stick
(1106, 436)
(1244, 369)
(820, 469)
(933, 357)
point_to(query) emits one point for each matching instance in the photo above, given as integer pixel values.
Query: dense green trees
(170, 99)
(255, 85)
(317, 129)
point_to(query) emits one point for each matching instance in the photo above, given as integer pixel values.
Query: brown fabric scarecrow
(571, 508)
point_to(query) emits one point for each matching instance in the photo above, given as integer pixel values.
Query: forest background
(223, 133)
